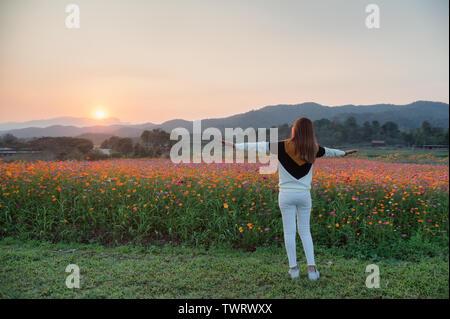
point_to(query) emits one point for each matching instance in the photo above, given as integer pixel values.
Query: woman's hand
(350, 152)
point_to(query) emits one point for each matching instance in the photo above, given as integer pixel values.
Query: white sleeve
(252, 147)
(331, 152)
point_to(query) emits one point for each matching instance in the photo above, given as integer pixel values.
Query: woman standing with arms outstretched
(296, 157)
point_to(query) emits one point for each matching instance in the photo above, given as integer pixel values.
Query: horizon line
(120, 122)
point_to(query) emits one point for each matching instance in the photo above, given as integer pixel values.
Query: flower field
(355, 201)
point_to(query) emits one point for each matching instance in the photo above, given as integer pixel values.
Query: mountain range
(66, 121)
(406, 116)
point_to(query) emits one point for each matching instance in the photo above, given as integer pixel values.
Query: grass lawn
(34, 269)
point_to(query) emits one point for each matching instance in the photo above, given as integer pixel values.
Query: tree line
(154, 143)
(157, 143)
(60, 148)
(335, 132)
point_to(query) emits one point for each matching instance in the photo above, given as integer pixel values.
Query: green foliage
(120, 146)
(96, 155)
(349, 132)
(60, 144)
(62, 147)
(185, 272)
(155, 143)
(10, 141)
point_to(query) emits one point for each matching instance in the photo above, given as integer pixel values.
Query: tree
(63, 147)
(408, 138)
(156, 142)
(445, 138)
(350, 122)
(111, 142)
(9, 140)
(390, 129)
(367, 131)
(351, 130)
(141, 151)
(145, 137)
(125, 146)
(334, 132)
(120, 146)
(376, 130)
(426, 127)
(284, 131)
(83, 145)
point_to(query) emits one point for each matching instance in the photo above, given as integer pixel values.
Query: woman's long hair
(304, 139)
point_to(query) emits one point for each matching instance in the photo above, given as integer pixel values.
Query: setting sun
(100, 114)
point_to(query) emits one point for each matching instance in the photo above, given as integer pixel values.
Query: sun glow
(100, 114)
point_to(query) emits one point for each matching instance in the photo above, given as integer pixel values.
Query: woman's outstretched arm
(331, 152)
(350, 152)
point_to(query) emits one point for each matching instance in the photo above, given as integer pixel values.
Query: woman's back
(295, 174)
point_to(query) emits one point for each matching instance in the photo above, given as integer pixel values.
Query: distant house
(378, 143)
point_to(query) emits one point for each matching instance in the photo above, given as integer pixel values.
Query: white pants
(292, 205)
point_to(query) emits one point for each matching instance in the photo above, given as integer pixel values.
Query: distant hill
(65, 121)
(406, 116)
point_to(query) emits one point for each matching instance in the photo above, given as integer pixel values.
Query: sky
(153, 60)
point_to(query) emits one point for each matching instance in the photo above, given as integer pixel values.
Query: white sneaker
(294, 272)
(313, 275)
